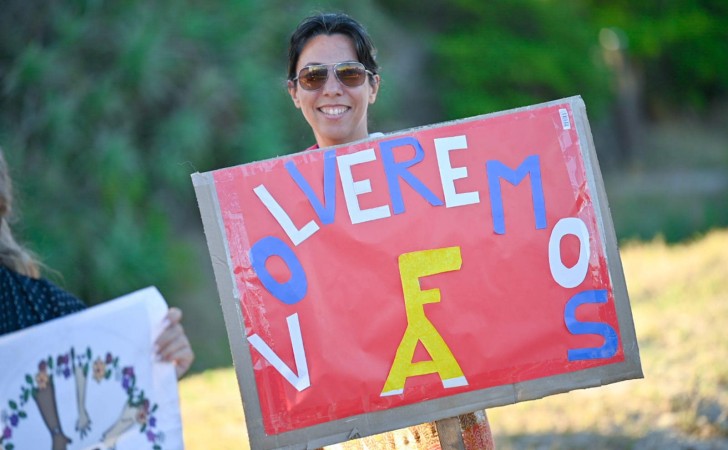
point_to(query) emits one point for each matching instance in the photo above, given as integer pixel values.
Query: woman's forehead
(324, 49)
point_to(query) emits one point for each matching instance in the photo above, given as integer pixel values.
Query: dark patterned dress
(28, 301)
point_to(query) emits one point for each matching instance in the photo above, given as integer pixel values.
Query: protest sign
(418, 275)
(89, 381)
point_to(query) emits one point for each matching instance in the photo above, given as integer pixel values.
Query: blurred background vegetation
(107, 107)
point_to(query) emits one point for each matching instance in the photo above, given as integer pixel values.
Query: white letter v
(300, 381)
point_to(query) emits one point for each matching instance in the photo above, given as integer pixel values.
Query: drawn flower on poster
(137, 412)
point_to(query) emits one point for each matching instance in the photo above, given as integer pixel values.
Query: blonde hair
(12, 254)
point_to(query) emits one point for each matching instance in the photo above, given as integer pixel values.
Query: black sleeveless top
(28, 301)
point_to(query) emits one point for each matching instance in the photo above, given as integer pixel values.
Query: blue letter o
(293, 290)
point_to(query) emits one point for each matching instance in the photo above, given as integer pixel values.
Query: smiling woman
(334, 106)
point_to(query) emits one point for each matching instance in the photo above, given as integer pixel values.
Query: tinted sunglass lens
(351, 75)
(313, 77)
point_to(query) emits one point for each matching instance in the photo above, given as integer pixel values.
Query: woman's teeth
(333, 110)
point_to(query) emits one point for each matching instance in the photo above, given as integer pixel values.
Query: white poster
(90, 381)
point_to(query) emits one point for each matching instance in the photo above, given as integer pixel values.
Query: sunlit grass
(212, 412)
(679, 298)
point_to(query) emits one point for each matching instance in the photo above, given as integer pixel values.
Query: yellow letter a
(412, 266)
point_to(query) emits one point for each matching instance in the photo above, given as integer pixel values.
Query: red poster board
(418, 275)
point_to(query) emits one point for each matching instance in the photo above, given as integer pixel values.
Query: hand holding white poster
(90, 381)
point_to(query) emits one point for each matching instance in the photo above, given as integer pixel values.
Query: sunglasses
(350, 74)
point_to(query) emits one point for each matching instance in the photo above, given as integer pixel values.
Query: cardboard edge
(213, 227)
(609, 236)
(430, 411)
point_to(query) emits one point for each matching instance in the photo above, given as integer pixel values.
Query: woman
(26, 299)
(334, 106)
(333, 78)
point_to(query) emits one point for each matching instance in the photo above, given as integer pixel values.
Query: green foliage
(490, 56)
(106, 110)
(500, 55)
(679, 47)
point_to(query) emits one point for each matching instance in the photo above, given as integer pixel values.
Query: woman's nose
(333, 85)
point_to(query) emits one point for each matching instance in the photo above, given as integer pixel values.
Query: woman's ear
(293, 91)
(374, 89)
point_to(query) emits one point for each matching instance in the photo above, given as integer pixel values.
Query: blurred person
(333, 78)
(27, 299)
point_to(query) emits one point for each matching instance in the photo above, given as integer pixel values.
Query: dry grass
(679, 296)
(212, 412)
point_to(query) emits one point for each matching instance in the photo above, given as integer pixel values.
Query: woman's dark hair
(328, 24)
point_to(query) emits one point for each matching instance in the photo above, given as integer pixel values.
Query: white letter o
(569, 277)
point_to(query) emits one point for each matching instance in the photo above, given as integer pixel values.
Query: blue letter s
(611, 341)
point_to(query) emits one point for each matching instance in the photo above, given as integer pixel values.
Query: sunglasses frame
(336, 73)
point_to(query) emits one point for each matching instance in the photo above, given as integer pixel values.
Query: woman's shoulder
(28, 301)
(15, 280)
(9, 278)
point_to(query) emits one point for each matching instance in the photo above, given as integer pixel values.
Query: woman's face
(336, 113)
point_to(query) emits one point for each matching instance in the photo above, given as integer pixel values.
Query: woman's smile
(334, 111)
